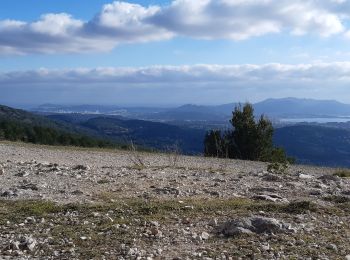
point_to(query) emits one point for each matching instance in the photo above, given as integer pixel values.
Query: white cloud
(122, 22)
(53, 33)
(347, 34)
(204, 73)
(177, 84)
(237, 20)
(56, 25)
(120, 14)
(11, 24)
(60, 33)
(125, 22)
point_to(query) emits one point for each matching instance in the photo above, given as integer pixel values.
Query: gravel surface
(70, 203)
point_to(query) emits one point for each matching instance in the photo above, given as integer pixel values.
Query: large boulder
(257, 225)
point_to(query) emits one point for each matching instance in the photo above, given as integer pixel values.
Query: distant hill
(319, 145)
(192, 112)
(19, 125)
(301, 107)
(8, 113)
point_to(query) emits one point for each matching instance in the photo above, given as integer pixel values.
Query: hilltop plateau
(78, 203)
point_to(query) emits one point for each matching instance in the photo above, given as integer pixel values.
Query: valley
(183, 128)
(312, 131)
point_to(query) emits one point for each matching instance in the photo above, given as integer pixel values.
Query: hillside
(96, 130)
(63, 203)
(18, 115)
(312, 144)
(149, 134)
(19, 125)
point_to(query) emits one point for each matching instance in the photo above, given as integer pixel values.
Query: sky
(172, 52)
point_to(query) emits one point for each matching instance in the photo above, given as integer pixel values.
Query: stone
(81, 167)
(215, 193)
(186, 221)
(27, 243)
(167, 190)
(9, 193)
(347, 257)
(213, 222)
(305, 176)
(271, 178)
(132, 252)
(155, 223)
(315, 192)
(29, 186)
(346, 192)
(332, 247)
(22, 174)
(15, 245)
(154, 231)
(2, 171)
(266, 225)
(265, 247)
(258, 225)
(30, 220)
(205, 236)
(77, 192)
(329, 178)
(237, 227)
(270, 197)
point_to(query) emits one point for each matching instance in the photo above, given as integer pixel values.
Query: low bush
(342, 173)
(277, 167)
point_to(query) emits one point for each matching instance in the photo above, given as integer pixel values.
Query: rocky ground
(69, 203)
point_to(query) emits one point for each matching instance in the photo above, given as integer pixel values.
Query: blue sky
(172, 52)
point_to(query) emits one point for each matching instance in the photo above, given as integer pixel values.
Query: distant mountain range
(274, 108)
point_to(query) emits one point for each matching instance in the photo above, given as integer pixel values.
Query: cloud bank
(177, 84)
(123, 22)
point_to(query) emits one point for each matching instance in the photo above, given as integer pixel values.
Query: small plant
(136, 157)
(173, 154)
(103, 181)
(224, 165)
(277, 167)
(342, 173)
(337, 199)
(300, 207)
